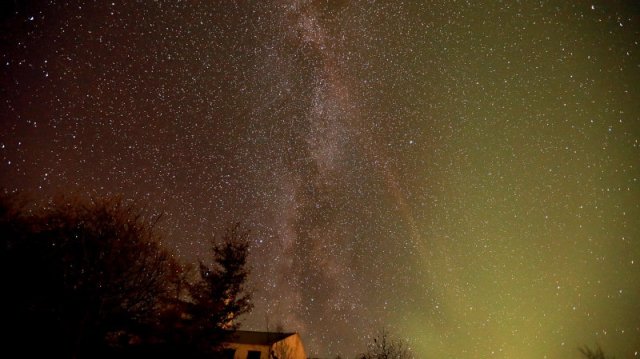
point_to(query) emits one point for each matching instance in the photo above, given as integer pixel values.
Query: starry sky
(462, 173)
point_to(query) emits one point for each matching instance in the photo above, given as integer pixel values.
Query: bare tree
(80, 272)
(386, 347)
(282, 350)
(593, 354)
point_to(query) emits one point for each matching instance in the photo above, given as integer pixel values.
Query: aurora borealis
(465, 174)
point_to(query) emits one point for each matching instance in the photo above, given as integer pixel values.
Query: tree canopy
(89, 278)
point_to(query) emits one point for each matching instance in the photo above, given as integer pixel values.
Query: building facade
(244, 344)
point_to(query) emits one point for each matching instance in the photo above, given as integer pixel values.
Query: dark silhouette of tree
(89, 279)
(593, 354)
(219, 295)
(82, 274)
(386, 347)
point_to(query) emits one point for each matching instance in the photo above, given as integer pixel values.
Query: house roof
(256, 338)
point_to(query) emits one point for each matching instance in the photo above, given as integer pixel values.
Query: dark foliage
(89, 279)
(81, 275)
(219, 297)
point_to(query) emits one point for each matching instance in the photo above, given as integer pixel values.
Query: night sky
(464, 174)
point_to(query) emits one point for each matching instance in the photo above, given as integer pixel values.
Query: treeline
(89, 279)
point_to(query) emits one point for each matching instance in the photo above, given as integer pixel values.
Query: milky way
(464, 175)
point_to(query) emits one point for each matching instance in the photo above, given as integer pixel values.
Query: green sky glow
(533, 249)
